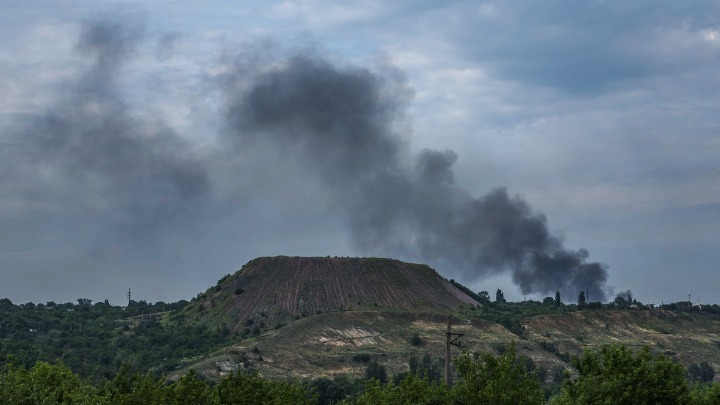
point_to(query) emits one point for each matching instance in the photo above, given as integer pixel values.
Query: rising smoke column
(90, 161)
(341, 124)
(91, 172)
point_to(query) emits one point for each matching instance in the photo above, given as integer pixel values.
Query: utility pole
(450, 339)
(447, 354)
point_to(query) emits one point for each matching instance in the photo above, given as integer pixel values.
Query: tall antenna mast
(129, 295)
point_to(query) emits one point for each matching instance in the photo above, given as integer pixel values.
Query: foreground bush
(482, 379)
(616, 375)
(45, 384)
(502, 379)
(705, 394)
(612, 375)
(239, 389)
(411, 390)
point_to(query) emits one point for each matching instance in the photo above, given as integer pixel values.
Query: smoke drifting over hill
(89, 154)
(90, 163)
(341, 121)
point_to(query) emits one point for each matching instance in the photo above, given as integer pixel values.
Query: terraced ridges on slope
(271, 290)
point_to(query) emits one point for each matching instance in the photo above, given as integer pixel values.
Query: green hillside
(330, 344)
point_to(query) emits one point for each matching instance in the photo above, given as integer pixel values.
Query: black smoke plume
(341, 123)
(624, 296)
(91, 172)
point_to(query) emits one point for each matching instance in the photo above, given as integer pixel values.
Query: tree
(84, 302)
(705, 394)
(426, 367)
(616, 375)
(377, 371)
(133, 389)
(410, 391)
(45, 384)
(415, 339)
(241, 389)
(484, 297)
(558, 374)
(491, 379)
(191, 390)
(702, 372)
(499, 296)
(581, 299)
(328, 391)
(557, 299)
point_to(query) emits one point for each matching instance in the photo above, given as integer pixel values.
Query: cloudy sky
(523, 145)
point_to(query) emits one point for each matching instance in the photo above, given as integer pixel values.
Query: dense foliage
(612, 375)
(702, 372)
(95, 339)
(616, 375)
(48, 384)
(489, 379)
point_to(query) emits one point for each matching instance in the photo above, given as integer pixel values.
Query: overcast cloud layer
(528, 147)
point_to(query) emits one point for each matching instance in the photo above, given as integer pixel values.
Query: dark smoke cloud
(88, 157)
(341, 123)
(625, 295)
(346, 116)
(91, 172)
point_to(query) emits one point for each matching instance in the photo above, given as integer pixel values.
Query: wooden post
(450, 339)
(447, 354)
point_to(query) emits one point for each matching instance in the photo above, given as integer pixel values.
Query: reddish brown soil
(277, 287)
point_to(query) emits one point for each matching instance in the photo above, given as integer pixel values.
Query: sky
(529, 146)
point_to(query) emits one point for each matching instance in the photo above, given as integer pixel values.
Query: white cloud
(710, 35)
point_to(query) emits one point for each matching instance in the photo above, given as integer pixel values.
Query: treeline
(583, 302)
(95, 339)
(511, 314)
(611, 375)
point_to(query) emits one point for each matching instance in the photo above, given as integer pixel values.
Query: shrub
(549, 346)
(376, 371)
(415, 340)
(702, 372)
(361, 358)
(502, 379)
(617, 375)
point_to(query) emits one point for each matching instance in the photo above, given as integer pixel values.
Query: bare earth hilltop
(276, 289)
